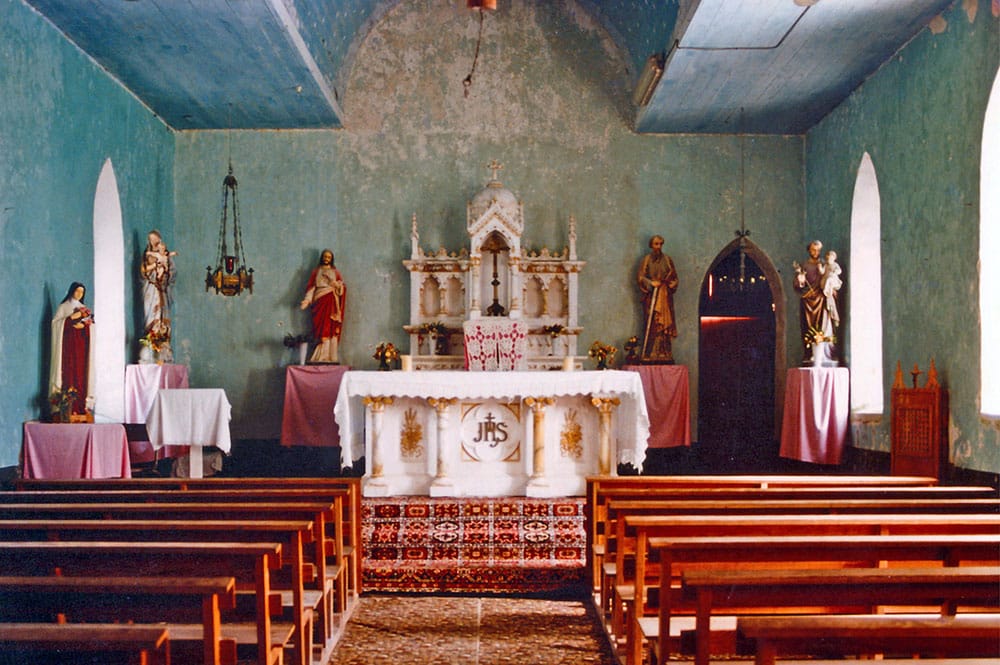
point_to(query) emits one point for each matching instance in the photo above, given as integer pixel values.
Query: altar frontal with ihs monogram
(491, 432)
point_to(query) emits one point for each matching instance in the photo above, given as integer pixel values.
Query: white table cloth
(631, 416)
(142, 382)
(195, 417)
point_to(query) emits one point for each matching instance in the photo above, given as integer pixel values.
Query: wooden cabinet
(919, 426)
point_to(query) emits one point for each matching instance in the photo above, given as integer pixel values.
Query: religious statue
(158, 276)
(818, 282)
(326, 295)
(657, 283)
(71, 371)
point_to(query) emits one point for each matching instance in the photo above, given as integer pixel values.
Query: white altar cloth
(572, 394)
(196, 417)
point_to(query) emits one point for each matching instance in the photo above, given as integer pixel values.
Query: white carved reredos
(449, 287)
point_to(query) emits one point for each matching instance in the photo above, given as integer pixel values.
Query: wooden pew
(861, 589)
(676, 554)
(638, 528)
(334, 554)
(251, 564)
(351, 485)
(646, 526)
(72, 644)
(597, 530)
(965, 636)
(142, 600)
(617, 509)
(600, 489)
(292, 535)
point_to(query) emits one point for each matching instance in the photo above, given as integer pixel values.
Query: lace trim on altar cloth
(493, 345)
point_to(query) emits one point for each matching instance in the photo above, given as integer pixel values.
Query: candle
(406, 363)
(569, 363)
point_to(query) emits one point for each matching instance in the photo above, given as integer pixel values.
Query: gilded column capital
(538, 404)
(441, 404)
(605, 404)
(377, 403)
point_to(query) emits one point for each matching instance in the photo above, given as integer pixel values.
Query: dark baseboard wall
(267, 458)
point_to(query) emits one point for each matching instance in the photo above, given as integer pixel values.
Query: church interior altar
(484, 414)
(455, 433)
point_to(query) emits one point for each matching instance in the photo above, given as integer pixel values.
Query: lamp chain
(467, 81)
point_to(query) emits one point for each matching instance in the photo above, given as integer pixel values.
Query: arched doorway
(741, 317)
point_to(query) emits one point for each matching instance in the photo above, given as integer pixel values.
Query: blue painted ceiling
(762, 66)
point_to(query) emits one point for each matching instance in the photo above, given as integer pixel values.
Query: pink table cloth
(78, 450)
(817, 407)
(310, 395)
(142, 382)
(668, 401)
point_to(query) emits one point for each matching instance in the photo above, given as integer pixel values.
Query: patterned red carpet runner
(473, 545)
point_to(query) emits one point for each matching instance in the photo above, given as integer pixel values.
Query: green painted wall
(921, 119)
(550, 101)
(61, 117)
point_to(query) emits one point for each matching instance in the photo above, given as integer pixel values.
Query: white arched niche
(989, 266)
(867, 392)
(109, 300)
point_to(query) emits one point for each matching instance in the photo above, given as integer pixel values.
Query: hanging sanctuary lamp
(231, 275)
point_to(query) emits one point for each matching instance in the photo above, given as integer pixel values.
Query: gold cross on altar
(496, 167)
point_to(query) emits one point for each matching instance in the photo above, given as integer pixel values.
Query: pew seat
(969, 636)
(858, 590)
(72, 644)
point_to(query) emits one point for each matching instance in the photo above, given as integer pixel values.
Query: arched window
(989, 266)
(109, 300)
(867, 392)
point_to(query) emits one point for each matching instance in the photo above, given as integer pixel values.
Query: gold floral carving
(571, 437)
(410, 435)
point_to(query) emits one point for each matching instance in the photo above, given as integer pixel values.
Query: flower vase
(556, 346)
(146, 355)
(303, 352)
(383, 365)
(821, 354)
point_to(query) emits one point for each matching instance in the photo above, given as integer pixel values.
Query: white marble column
(443, 484)
(605, 407)
(376, 484)
(538, 484)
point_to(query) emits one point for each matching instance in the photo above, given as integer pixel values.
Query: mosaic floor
(449, 630)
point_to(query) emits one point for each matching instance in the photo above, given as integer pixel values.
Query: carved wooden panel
(919, 426)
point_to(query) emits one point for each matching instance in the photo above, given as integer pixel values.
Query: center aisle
(421, 630)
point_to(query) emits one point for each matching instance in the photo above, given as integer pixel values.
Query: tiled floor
(437, 630)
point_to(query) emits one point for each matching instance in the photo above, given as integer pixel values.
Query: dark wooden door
(736, 431)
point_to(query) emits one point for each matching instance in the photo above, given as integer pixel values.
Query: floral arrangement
(434, 328)
(155, 339)
(385, 353)
(292, 341)
(630, 347)
(554, 330)
(604, 354)
(62, 402)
